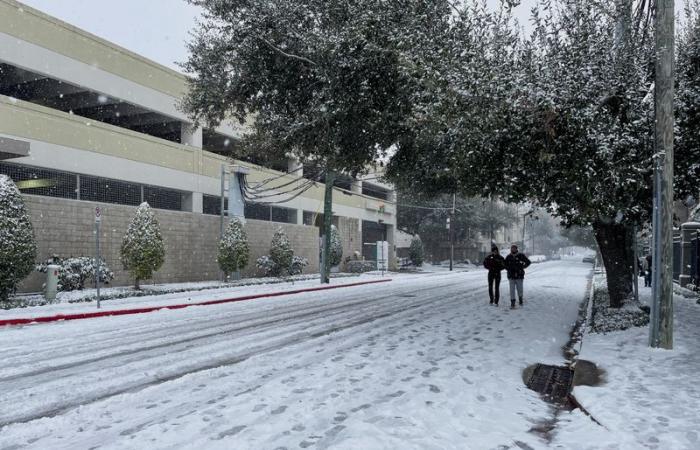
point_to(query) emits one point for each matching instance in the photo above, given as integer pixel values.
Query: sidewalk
(649, 398)
(148, 303)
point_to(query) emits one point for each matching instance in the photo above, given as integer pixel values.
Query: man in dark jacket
(494, 263)
(516, 263)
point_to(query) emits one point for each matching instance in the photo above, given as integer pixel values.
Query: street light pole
(661, 323)
(452, 233)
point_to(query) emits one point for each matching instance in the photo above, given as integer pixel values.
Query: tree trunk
(327, 222)
(137, 284)
(616, 251)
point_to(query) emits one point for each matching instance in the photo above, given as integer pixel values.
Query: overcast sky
(156, 29)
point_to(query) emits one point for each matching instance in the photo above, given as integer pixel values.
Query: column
(688, 233)
(294, 167)
(192, 137)
(356, 186)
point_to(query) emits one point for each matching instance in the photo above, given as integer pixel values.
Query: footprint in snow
(279, 410)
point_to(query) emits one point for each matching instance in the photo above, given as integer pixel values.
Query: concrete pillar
(191, 136)
(391, 238)
(356, 186)
(193, 202)
(688, 233)
(295, 167)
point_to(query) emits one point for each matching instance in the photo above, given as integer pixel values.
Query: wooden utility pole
(661, 326)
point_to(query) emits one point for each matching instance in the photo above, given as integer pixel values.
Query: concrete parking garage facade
(84, 122)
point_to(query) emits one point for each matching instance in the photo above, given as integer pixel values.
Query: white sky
(157, 29)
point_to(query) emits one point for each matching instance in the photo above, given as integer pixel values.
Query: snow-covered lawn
(650, 398)
(420, 362)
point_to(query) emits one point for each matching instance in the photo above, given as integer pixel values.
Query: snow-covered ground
(650, 398)
(419, 362)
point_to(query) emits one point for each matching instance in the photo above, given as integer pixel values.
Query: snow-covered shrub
(17, 244)
(143, 251)
(267, 266)
(336, 253)
(281, 251)
(74, 273)
(357, 266)
(233, 248)
(298, 264)
(415, 251)
(281, 260)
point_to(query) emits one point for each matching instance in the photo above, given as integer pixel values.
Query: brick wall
(66, 228)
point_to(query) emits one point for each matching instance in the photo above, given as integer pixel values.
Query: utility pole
(327, 222)
(636, 263)
(661, 324)
(452, 231)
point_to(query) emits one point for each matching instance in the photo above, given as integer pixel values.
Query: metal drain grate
(551, 381)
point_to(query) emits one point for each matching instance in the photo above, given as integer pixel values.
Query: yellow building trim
(31, 25)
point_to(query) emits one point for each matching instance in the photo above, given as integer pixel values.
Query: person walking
(647, 271)
(494, 263)
(516, 263)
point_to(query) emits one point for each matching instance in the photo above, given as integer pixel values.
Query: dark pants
(647, 278)
(494, 279)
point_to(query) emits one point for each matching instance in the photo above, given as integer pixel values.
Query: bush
(336, 253)
(415, 251)
(281, 251)
(73, 273)
(233, 248)
(17, 244)
(281, 260)
(143, 251)
(356, 266)
(298, 264)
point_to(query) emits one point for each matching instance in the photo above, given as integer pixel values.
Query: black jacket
(516, 265)
(494, 263)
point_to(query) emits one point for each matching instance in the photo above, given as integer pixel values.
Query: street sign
(98, 214)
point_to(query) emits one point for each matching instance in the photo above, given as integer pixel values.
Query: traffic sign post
(98, 221)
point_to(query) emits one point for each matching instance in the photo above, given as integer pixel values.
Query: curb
(124, 312)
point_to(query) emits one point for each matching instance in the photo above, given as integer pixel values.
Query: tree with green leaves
(143, 250)
(17, 244)
(325, 80)
(415, 251)
(233, 248)
(562, 119)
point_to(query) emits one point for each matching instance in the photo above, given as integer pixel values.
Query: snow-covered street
(420, 362)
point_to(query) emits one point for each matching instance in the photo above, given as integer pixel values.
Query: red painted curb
(124, 312)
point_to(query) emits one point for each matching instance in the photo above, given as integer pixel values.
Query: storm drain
(553, 382)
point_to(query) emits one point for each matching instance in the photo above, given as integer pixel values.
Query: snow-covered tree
(233, 248)
(74, 272)
(281, 251)
(415, 251)
(143, 250)
(17, 245)
(336, 253)
(327, 78)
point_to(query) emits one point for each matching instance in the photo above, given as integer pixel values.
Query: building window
(54, 183)
(212, 205)
(109, 191)
(37, 181)
(371, 190)
(260, 211)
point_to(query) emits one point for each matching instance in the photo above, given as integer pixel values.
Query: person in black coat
(494, 263)
(516, 263)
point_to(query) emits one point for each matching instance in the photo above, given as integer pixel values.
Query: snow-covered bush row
(356, 266)
(143, 251)
(233, 248)
(606, 319)
(73, 273)
(17, 244)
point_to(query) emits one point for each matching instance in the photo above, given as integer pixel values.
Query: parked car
(589, 259)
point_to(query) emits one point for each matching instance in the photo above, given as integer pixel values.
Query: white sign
(98, 214)
(382, 255)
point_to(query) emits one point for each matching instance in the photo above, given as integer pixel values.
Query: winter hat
(494, 248)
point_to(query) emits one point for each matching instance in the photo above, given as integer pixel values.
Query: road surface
(420, 362)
